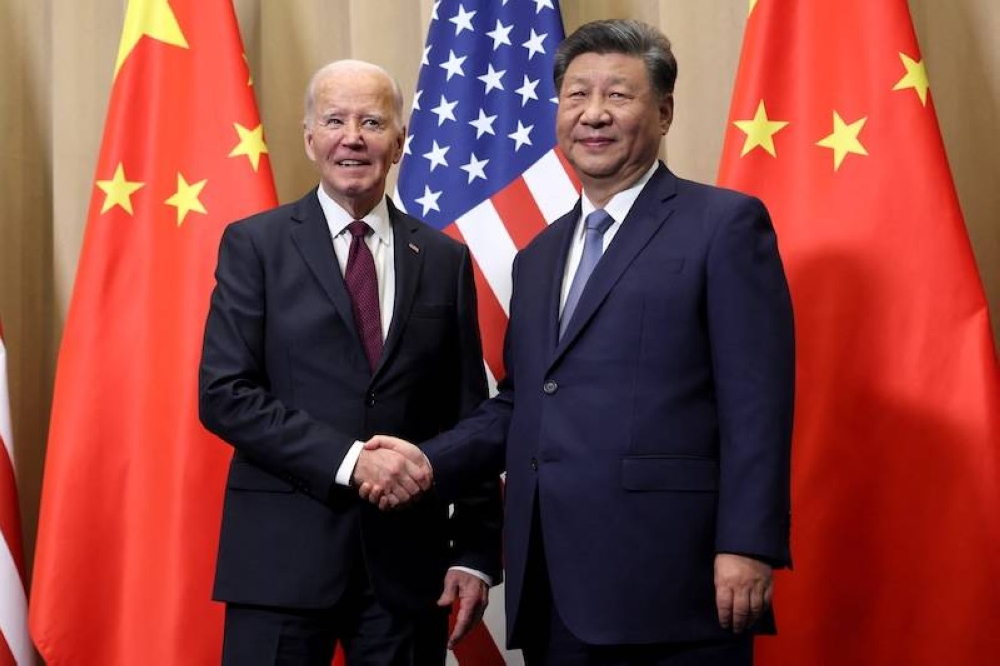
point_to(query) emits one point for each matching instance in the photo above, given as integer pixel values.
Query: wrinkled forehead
(362, 89)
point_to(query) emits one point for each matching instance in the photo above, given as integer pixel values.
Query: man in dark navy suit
(333, 318)
(645, 419)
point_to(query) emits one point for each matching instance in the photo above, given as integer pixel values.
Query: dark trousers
(369, 634)
(545, 640)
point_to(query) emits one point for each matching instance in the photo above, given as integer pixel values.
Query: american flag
(480, 161)
(15, 647)
(481, 164)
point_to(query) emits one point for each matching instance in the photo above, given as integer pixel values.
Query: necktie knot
(599, 221)
(358, 229)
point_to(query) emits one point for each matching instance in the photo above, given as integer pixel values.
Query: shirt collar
(337, 218)
(619, 205)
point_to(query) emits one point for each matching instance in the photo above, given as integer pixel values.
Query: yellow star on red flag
(844, 139)
(760, 131)
(916, 77)
(185, 199)
(118, 191)
(251, 144)
(148, 18)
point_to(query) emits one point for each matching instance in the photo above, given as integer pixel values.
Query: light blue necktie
(597, 223)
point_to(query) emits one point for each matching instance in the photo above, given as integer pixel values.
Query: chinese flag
(133, 485)
(895, 530)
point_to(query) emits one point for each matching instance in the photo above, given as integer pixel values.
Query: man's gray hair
(310, 99)
(625, 36)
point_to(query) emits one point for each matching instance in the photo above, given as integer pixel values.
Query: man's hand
(473, 596)
(393, 475)
(743, 588)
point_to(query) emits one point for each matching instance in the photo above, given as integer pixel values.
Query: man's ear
(666, 112)
(307, 140)
(400, 143)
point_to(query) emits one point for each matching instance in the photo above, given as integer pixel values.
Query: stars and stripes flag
(15, 646)
(481, 164)
(132, 494)
(895, 475)
(480, 160)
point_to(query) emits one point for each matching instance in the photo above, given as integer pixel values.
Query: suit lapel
(646, 217)
(408, 255)
(312, 238)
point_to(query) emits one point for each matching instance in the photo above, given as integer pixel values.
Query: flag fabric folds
(895, 471)
(133, 484)
(15, 646)
(481, 163)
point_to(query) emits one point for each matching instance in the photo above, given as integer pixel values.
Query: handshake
(391, 472)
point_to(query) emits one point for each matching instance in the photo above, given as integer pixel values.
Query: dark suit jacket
(284, 380)
(656, 432)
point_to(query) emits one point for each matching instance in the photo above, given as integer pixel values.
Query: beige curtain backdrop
(56, 62)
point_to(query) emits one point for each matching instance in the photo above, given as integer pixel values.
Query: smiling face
(610, 121)
(353, 133)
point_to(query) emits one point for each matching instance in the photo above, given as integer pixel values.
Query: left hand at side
(743, 589)
(473, 596)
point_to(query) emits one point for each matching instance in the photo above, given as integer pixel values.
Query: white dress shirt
(618, 208)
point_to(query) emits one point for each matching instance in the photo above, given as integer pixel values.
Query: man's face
(610, 122)
(353, 136)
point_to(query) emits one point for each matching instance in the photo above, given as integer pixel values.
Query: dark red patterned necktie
(362, 285)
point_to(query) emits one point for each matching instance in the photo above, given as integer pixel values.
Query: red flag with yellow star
(133, 485)
(895, 478)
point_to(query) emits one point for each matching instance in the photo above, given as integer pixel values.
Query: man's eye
(371, 122)
(331, 122)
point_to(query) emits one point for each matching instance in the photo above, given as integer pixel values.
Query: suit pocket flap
(244, 476)
(670, 473)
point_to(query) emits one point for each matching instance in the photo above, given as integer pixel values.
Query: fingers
(450, 592)
(388, 478)
(724, 606)
(741, 611)
(465, 620)
(388, 442)
(743, 589)
(404, 448)
(473, 597)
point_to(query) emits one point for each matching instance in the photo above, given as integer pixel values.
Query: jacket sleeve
(752, 345)
(235, 399)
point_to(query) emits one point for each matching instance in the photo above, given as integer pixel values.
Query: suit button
(534, 464)
(371, 399)
(550, 387)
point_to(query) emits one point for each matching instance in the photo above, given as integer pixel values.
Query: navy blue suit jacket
(653, 435)
(285, 381)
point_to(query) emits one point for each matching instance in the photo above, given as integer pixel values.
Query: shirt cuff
(346, 469)
(478, 574)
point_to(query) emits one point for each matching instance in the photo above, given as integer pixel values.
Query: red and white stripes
(15, 646)
(500, 226)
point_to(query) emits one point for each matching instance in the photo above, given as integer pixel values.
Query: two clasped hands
(391, 472)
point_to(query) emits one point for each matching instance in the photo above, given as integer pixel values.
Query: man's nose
(352, 133)
(595, 113)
